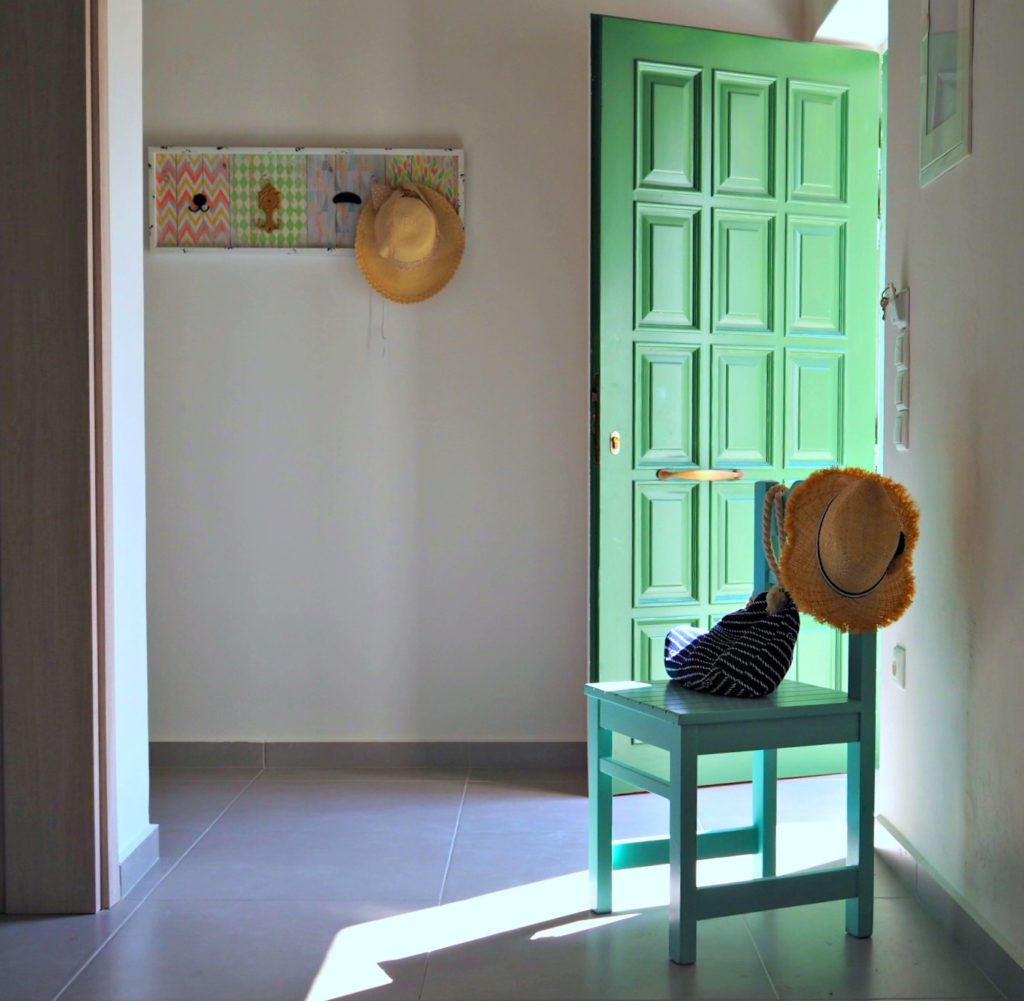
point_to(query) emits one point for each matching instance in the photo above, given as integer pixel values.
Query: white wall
(862, 24)
(953, 740)
(359, 539)
(815, 13)
(131, 722)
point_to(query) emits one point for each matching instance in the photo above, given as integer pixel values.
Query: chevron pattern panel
(285, 199)
(204, 200)
(438, 172)
(165, 194)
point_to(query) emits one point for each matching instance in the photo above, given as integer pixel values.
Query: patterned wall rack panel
(292, 199)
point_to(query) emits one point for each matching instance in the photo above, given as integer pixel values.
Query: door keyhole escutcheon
(614, 442)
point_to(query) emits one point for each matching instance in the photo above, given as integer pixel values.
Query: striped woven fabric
(745, 654)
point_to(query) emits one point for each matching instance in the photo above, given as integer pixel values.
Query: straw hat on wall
(409, 241)
(850, 537)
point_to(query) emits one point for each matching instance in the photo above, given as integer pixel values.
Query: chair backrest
(862, 647)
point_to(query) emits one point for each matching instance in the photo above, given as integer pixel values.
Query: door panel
(816, 266)
(665, 548)
(735, 207)
(742, 255)
(817, 142)
(814, 408)
(649, 646)
(744, 134)
(667, 279)
(741, 404)
(732, 553)
(667, 126)
(819, 659)
(666, 405)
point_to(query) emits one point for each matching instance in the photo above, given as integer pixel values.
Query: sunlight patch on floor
(352, 963)
(353, 960)
(575, 927)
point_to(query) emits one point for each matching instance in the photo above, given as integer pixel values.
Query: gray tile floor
(281, 884)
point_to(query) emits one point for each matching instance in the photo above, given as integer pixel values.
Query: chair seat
(670, 700)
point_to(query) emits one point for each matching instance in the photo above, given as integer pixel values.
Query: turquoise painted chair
(687, 724)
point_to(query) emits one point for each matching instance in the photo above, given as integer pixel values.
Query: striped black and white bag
(748, 652)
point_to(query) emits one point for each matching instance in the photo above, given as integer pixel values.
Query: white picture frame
(945, 113)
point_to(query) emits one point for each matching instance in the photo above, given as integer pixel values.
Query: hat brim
(412, 284)
(801, 573)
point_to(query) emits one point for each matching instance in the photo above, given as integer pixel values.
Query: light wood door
(57, 843)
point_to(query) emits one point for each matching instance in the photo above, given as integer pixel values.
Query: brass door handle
(700, 474)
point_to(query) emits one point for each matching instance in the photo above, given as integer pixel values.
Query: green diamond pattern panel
(287, 173)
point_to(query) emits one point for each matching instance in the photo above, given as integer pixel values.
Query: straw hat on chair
(850, 538)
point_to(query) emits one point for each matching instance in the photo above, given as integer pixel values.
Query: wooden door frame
(58, 850)
(110, 881)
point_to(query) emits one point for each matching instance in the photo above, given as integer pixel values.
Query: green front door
(735, 280)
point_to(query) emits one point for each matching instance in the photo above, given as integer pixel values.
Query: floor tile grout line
(1000, 996)
(155, 887)
(455, 834)
(764, 965)
(447, 867)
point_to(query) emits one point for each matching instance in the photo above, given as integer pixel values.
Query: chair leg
(682, 945)
(766, 773)
(860, 826)
(599, 745)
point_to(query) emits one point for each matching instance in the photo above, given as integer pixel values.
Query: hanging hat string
(773, 502)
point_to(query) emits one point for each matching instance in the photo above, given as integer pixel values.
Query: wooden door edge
(594, 445)
(106, 767)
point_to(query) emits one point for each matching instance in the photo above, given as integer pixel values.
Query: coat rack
(295, 199)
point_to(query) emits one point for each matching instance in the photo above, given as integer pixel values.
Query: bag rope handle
(773, 503)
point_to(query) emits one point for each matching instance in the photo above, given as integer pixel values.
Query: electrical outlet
(899, 666)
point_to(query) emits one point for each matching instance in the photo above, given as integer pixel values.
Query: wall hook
(269, 201)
